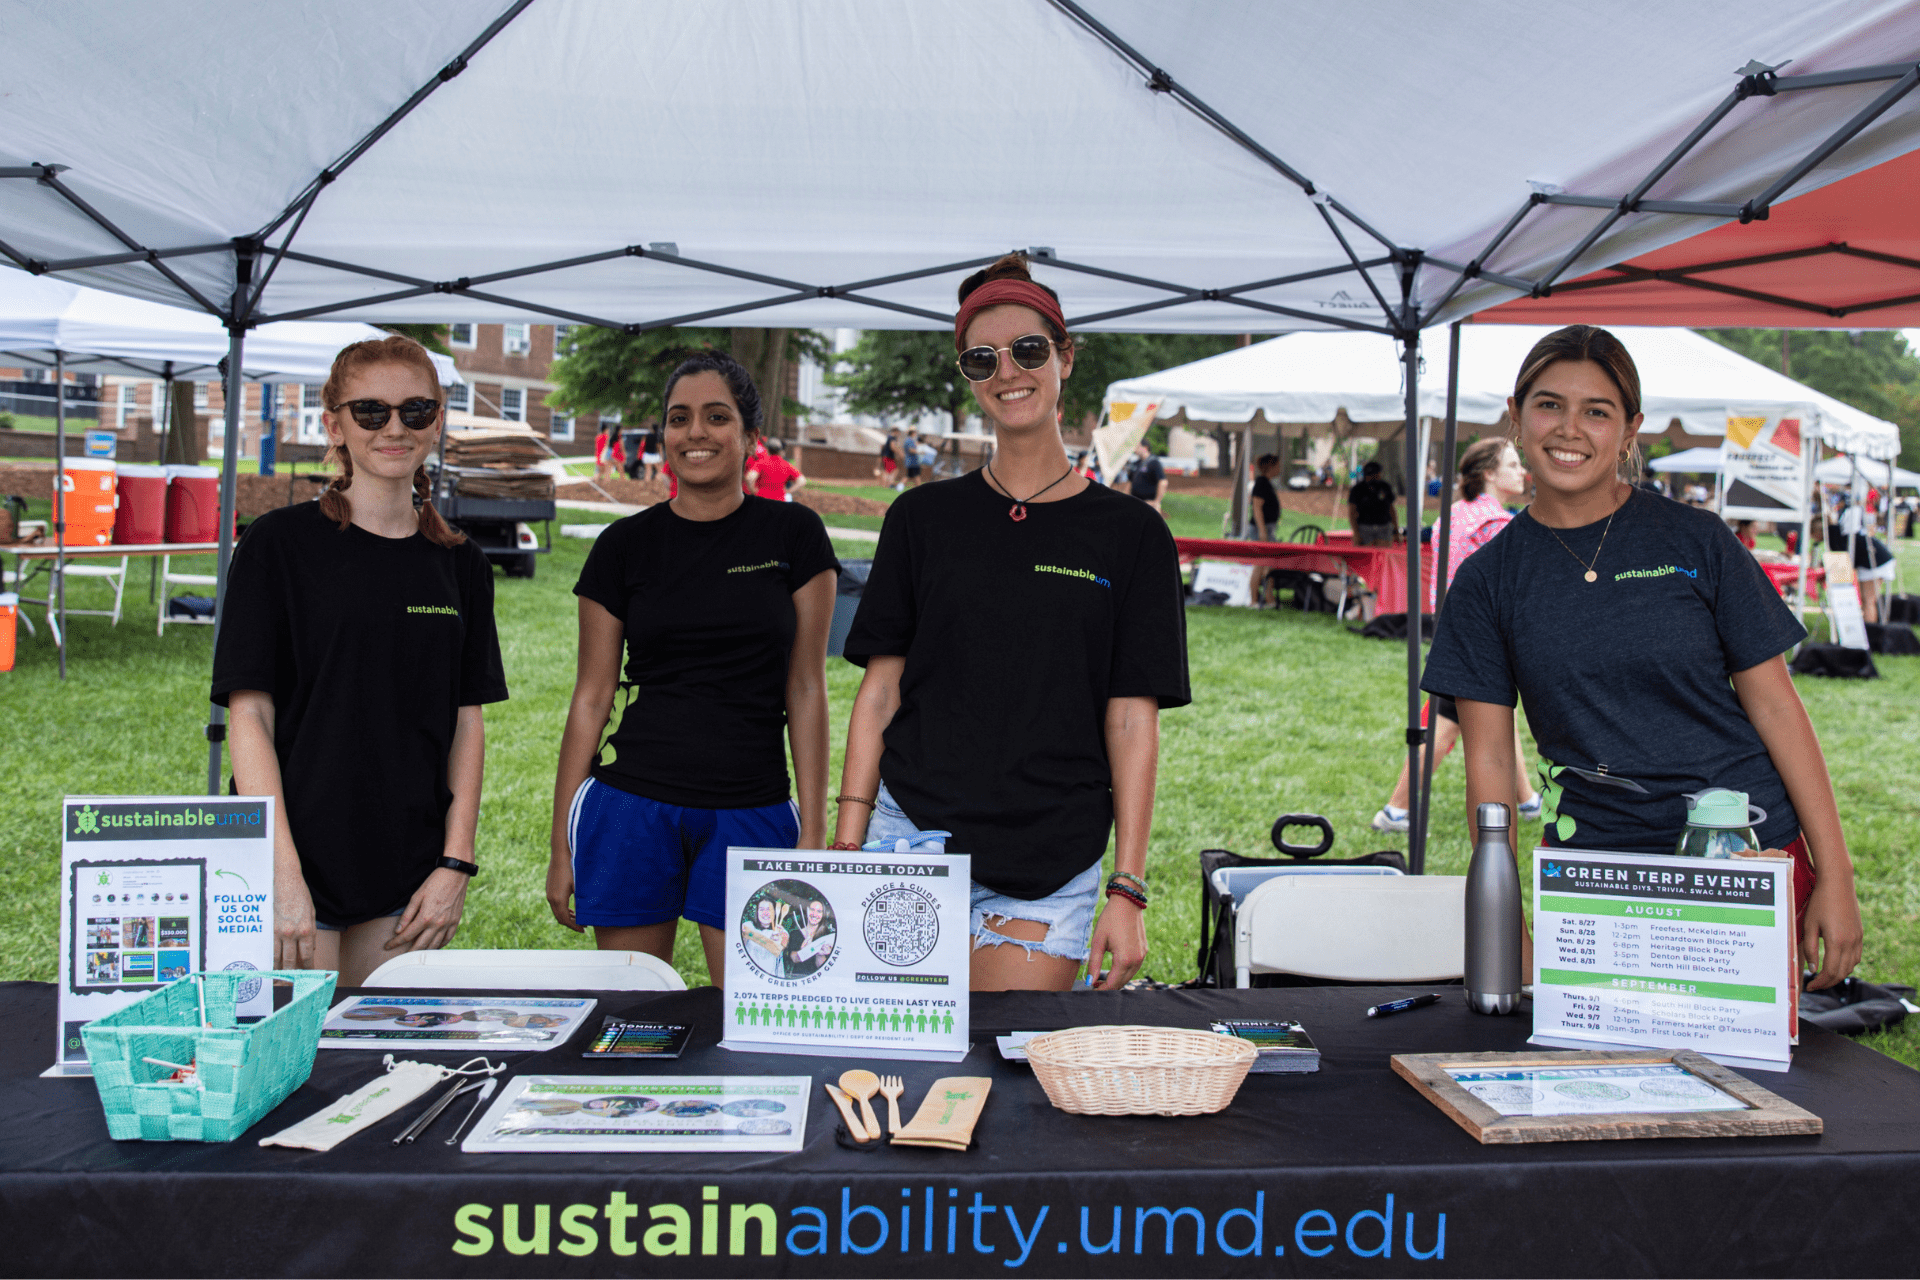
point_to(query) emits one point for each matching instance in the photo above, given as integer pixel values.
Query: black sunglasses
(1030, 352)
(372, 415)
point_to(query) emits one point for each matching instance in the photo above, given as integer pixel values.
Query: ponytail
(432, 524)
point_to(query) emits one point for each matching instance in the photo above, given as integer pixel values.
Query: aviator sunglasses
(415, 415)
(1030, 352)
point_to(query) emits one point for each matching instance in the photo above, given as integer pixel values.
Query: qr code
(902, 926)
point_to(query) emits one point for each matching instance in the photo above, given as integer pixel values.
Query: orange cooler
(193, 504)
(9, 610)
(89, 486)
(142, 518)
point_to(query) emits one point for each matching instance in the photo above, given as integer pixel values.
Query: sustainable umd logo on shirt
(1085, 575)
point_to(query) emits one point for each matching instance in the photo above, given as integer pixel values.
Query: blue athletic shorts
(637, 861)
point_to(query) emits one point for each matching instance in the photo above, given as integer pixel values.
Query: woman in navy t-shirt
(1648, 647)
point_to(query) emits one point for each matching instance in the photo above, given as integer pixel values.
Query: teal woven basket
(244, 1071)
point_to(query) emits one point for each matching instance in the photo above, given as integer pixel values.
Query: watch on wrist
(461, 865)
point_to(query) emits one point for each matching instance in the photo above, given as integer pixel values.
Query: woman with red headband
(1021, 629)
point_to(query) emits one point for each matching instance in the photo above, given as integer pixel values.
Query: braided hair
(334, 503)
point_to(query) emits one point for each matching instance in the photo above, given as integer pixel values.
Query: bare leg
(657, 941)
(1007, 966)
(1444, 738)
(357, 951)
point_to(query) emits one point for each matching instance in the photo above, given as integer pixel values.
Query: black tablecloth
(1344, 1172)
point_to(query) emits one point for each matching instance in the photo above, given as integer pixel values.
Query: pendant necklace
(1018, 511)
(1591, 576)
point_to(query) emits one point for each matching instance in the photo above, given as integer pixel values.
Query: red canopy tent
(1844, 257)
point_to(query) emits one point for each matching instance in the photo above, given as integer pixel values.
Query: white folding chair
(114, 576)
(527, 970)
(1353, 929)
(167, 578)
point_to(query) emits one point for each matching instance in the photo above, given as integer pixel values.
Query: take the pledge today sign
(153, 888)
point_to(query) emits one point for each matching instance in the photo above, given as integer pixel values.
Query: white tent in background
(1309, 377)
(109, 333)
(1706, 461)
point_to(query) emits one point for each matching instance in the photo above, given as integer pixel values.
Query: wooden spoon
(863, 1085)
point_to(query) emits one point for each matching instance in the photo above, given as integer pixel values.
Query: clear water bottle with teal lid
(1720, 824)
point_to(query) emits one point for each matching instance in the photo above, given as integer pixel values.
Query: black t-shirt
(1372, 499)
(1269, 501)
(369, 646)
(1143, 479)
(1628, 675)
(709, 617)
(1016, 633)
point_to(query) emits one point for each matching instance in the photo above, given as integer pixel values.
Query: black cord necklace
(1018, 511)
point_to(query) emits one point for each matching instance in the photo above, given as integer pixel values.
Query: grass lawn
(1291, 713)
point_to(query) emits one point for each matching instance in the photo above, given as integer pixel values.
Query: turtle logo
(86, 821)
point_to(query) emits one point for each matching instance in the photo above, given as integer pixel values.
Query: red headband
(998, 293)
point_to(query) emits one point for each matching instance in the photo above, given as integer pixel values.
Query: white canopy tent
(1706, 461)
(1309, 377)
(110, 333)
(1246, 164)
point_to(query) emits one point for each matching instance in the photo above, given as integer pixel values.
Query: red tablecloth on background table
(1783, 576)
(1383, 569)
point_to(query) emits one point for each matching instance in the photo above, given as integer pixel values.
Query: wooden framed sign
(1588, 1095)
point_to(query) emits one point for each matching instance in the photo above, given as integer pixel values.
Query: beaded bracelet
(1128, 875)
(1116, 888)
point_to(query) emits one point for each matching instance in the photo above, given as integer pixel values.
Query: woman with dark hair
(1491, 475)
(721, 602)
(1021, 630)
(356, 650)
(1647, 644)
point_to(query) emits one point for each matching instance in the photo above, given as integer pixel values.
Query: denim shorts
(638, 861)
(1067, 912)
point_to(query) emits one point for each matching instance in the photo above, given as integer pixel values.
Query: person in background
(1873, 563)
(650, 451)
(1144, 477)
(1087, 464)
(1491, 476)
(1264, 518)
(721, 607)
(1370, 509)
(910, 457)
(771, 476)
(929, 461)
(608, 452)
(889, 465)
(1648, 646)
(355, 653)
(1743, 530)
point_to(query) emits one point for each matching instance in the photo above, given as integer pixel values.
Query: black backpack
(1854, 1006)
(1215, 957)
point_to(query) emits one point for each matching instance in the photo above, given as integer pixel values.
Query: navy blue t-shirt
(1628, 676)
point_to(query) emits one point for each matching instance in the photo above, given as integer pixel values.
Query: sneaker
(1531, 809)
(1391, 819)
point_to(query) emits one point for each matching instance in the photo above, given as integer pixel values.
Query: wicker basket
(245, 1071)
(1139, 1071)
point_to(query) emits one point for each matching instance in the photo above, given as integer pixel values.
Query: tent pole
(1415, 474)
(60, 507)
(163, 412)
(1441, 546)
(229, 470)
(1809, 459)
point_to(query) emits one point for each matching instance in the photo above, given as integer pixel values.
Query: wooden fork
(891, 1088)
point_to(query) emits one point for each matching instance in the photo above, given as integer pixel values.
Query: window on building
(612, 416)
(513, 404)
(199, 395)
(561, 427)
(124, 406)
(516, 339)
(460, 398)
(310, 396)
(460, 336)
(562, 339)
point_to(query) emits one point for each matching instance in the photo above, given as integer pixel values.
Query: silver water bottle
(1493, 917)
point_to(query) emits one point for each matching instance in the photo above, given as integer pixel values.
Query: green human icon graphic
(946, 1025)
(739, 1015)
(921, 1022)
(869, 1019)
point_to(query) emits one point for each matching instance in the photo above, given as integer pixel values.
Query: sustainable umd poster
(153, 888)
(831, 953)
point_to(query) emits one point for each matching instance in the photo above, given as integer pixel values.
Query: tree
(1873, 370)
(902, 373)
(612, 371)
(431, 336)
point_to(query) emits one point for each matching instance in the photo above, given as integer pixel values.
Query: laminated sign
(835, 952)
(153, 888)
(1671, 953)
(1764, 460)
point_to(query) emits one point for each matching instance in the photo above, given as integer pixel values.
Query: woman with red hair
(356, 648)
(1021, 629)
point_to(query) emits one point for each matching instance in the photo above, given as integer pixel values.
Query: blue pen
(1401, 1006)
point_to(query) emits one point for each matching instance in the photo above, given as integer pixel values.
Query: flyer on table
(153, 888)
(836, 951)
(1665, 952)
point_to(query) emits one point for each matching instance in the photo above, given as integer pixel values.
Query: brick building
(507, 368)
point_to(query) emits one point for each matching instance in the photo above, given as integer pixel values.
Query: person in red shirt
(770, 475)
